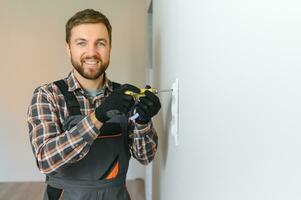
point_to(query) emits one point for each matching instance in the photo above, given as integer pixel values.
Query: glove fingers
(152, 97)
(127, 106)
(140, 111)
(146, 101)
(130, 87)
(126, 97)
(129, 99)
(124, 103)
(142, 107)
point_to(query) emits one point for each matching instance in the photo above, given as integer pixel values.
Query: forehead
(89, 32)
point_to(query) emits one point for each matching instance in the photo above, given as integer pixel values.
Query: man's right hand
(116, 103)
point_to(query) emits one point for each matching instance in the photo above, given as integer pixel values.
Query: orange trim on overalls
(109, 136)
(114, 171)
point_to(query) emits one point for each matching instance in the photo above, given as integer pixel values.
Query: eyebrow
(101, 40)
(79, 39)
(98, 40)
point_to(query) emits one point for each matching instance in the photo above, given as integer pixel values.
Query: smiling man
(79, 126)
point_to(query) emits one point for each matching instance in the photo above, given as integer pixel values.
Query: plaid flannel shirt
(54, 148)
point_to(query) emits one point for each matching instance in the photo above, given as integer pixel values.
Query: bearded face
(90, 67)
(89, 50)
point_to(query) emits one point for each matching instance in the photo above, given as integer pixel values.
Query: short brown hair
(87, 16)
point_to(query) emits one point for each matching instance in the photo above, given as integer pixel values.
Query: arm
(144, 143)
(53, 148)
(144, 137)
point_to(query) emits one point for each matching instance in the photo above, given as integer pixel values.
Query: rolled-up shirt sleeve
(144, 142)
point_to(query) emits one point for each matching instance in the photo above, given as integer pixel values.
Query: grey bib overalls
(101, 174)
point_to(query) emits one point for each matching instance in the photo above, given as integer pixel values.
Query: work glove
(148, 106)
(116, 103)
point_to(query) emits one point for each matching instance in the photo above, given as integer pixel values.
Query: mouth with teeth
(91, 63)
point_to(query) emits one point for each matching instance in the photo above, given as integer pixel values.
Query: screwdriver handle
(136, 96)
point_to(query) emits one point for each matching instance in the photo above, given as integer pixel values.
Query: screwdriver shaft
(164, 90)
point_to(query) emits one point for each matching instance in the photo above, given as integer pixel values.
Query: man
(80, 127)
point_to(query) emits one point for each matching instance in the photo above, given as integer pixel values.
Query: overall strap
(115, 85)
(123, 120)
(71, 101)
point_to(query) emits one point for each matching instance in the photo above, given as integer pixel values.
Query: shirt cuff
(141, 129)
(87, 130)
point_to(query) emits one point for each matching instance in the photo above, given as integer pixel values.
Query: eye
(81, 44)
(101, 44)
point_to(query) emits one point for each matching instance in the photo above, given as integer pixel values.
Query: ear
(68, 49)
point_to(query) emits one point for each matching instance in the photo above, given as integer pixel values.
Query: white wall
(33, 53)
(238, 64)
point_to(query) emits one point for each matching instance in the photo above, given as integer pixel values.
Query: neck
(88, 84)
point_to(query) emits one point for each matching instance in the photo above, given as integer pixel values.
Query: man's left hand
(148, 106)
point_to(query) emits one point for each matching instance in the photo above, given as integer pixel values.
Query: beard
(89, 73)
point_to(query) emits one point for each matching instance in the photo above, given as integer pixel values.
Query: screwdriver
(136, 96)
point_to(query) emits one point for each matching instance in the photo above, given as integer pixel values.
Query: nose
(91, 51)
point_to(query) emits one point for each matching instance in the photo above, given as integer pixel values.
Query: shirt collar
(73, 84)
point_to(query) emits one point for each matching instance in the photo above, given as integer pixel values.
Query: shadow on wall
(162, 122)
(164, 118)
(163, 127)
(166, 132)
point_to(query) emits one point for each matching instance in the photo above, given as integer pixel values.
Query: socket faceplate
(175, 111)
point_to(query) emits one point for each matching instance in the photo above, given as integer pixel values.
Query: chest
(86, 104)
